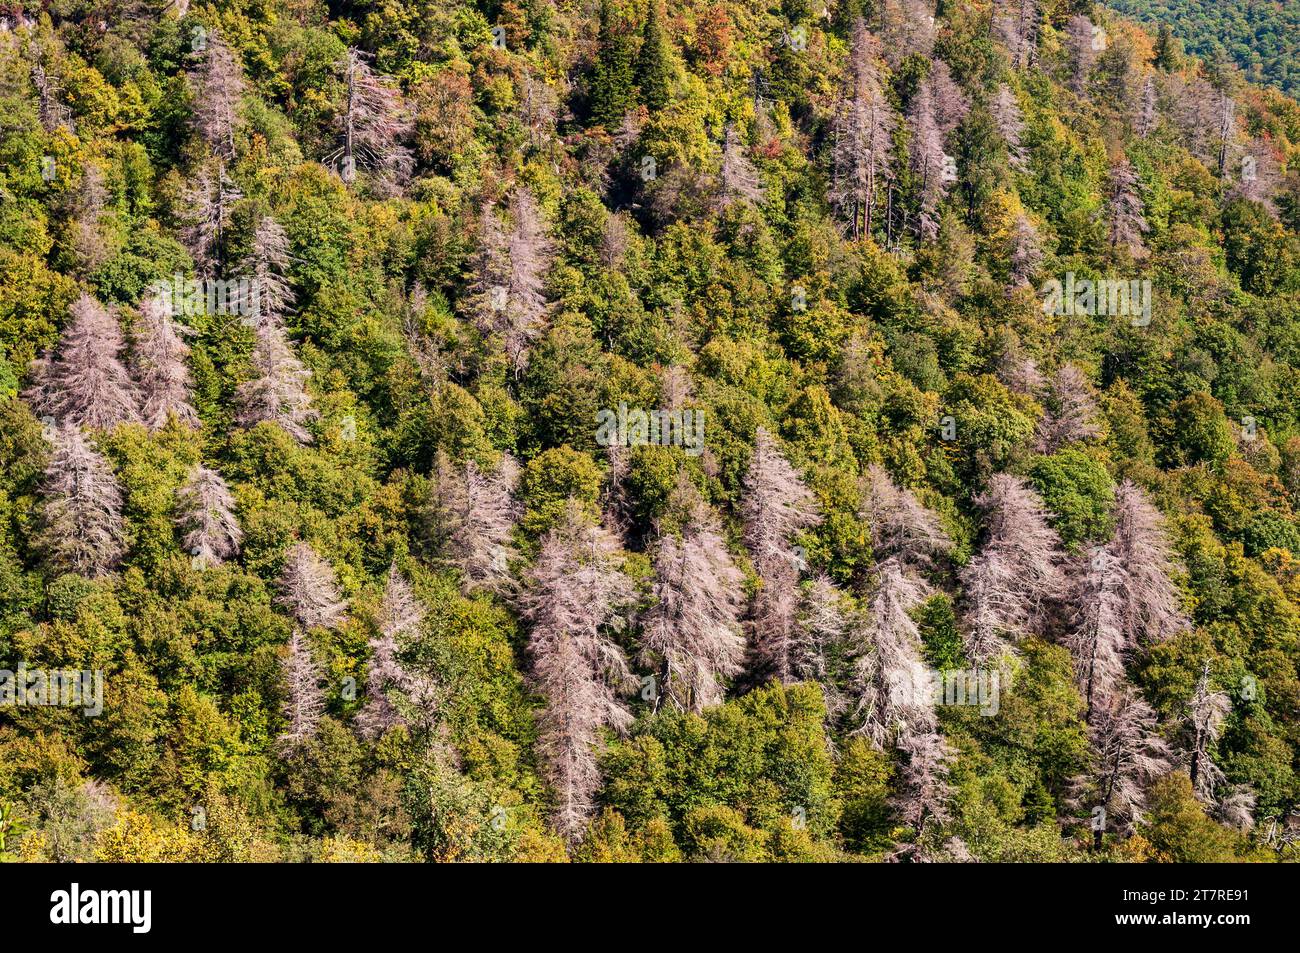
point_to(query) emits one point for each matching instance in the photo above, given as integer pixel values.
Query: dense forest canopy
(629, 430)
(1261, 38)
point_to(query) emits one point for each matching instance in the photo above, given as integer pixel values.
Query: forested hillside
(1262, 38)
(644, 430)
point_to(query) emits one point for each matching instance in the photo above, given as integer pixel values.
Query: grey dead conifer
(87, 236)
(374, 123)
(475, 511)
(1152, 602)
(398, 620)
(309, 589)
(82, 529)
(267, 266)
(1080, 38)
(1125, 207)
(1149, 111)
(900, 525)
(158, 360)
(1205, 713)
(574, 595)
(861, 132)
(1128, 755)
(1026, 251)
(692, 634)
(823, 650)
(1009, 584)
(930, 164)
(1071, 414)
(85, 382)
(208, 204)
(1258, 174)
(49, 93)
(892, 692)
(508, 293)
(1011, 125)
(1096, 640)
(277, 391)
(890, 682)
(906, 28)
(304, 702)
(950, 102)
(206, 517)
(219, 88)
(1015, 24)
(738, 179)
(775, 507)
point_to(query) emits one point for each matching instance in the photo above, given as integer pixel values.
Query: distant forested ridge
(1262, 37)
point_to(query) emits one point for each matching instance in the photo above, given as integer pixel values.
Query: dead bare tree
(209, 203)
(1011, 125)
(267, 266)
(277, 392)
(476, 511)
(574, 594)
(1205, 713)
(1097, 639)
(692, 633)
(510, 268)
(776, 505)
(82, 528)
(893, 695)
(1152, 604)
(159, 364)
(304, 701)
(1009, 584)
(85, 383)
(219, 88)
(1128, 756)
(861, 132)
(310, 590)
(399, 619)
(738, 180)
(206, 515)
(1127, 222)
(1071, 414)
(900, 525)
(373, 123)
